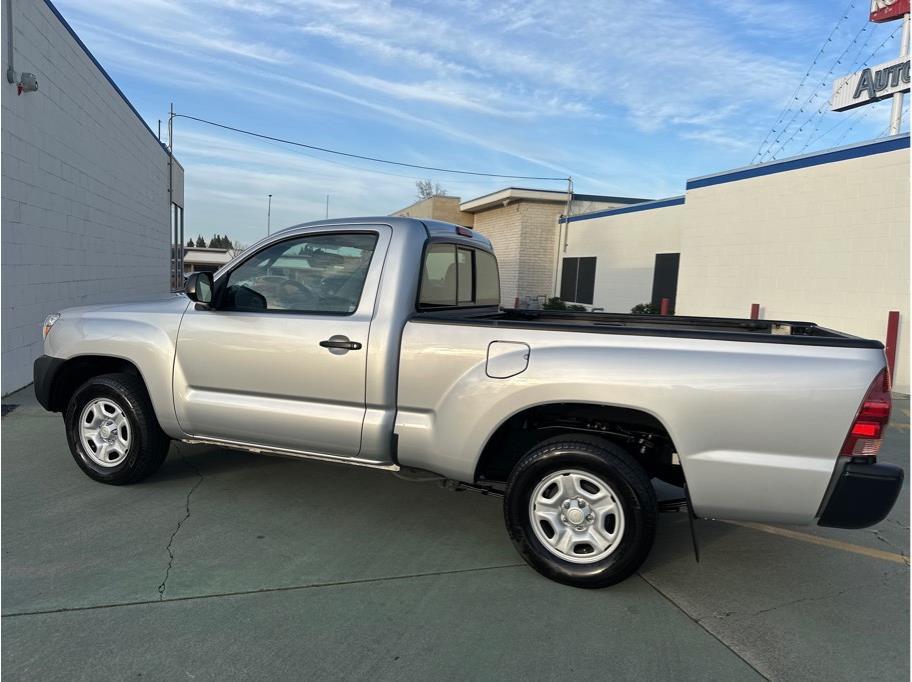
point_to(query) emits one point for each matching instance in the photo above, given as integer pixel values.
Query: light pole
(268, 214)
(896, 113)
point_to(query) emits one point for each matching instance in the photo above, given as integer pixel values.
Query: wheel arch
(78, 369)
(625, 426)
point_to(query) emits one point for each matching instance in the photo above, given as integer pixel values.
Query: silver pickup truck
(380, 342)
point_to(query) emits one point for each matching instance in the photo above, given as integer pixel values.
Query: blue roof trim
(854, 151)
(104, 73)
(644, 206)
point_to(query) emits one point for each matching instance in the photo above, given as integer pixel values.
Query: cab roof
(435, 229)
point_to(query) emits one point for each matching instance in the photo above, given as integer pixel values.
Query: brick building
(437, 208)
(522, 225)
(87, 212)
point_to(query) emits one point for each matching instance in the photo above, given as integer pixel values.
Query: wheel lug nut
(563, 518)
(589, 517)
(566, 504)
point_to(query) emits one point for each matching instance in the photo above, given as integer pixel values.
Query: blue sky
(630, 98)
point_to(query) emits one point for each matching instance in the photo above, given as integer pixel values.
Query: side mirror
(199, 287)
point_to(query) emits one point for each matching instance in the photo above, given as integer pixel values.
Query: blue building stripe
(831, 156)
(644, 206)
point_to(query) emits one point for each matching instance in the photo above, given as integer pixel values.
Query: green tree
(190, 242)
(200, 242)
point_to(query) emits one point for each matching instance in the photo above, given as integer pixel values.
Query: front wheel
(112, 430)
(581, 511)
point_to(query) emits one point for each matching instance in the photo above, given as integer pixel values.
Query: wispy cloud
(625, 97)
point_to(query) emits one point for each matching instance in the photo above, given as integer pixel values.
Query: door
(280, 360)
(665, 279)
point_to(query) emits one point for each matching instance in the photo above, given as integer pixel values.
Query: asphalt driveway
(226, 564)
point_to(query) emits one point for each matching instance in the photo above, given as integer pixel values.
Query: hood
(172, 303)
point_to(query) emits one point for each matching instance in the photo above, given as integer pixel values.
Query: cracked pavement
(226, 564)
(164, 583)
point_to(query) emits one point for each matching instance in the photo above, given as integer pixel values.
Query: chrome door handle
(341, 343)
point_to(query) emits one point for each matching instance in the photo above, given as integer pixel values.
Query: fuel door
(507, 359)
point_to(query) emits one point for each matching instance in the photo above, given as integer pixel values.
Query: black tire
(630, 485)
(148, 444)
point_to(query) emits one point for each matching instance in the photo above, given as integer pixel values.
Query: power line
(373, 171)
(794, 97)
(813, 96)
(858, 120)
(823, 106)
(362, 157)
(773, 152)
(903, 115)
(841, 122)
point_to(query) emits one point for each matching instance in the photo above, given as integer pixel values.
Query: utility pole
(268, 215)
(896, 113)
(327, 207)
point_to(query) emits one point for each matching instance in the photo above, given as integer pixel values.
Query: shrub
(645, 309)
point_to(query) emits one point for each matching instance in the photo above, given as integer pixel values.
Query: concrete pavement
(231, 564)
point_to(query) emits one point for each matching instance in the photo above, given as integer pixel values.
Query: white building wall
(828, 244)
(85, 205)
(820, 242)
(625, 246)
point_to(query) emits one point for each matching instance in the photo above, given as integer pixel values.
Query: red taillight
(867, 429)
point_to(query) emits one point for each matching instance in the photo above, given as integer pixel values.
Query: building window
(177, 248)
(578, 280)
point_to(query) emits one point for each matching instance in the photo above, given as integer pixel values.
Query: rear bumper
(864, 495)
(45, 371)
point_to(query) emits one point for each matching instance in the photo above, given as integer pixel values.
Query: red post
(516, 302)
(892, 336)
(664, 306)
(755, 311)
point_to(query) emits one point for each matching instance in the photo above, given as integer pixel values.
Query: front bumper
(864, 495)
(45, 371)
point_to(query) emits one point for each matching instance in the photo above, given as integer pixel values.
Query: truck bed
(719, 328)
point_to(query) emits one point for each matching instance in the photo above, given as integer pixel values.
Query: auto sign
(888, 10)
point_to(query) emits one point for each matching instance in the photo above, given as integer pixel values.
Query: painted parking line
(825, 542)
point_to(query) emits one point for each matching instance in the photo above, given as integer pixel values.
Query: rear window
(458, 276)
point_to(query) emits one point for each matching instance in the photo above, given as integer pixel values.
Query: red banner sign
(888, 10)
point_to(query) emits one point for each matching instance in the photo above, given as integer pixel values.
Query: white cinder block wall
(822, 238)
(86, 211)
(625, 244)
(827, 243)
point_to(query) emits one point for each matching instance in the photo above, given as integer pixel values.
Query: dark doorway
(665, 279)
(578, 280)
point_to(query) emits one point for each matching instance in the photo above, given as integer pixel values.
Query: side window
(319, 274)
(458, 276)
(487, 279)
(438, 276)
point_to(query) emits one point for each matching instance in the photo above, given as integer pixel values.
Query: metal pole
(896, 113)
(327, 207)
(892, 336)
(268, 215)
(560, 233)
(10, 71)
(175, 278)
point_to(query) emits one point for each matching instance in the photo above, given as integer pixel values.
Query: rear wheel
(581, 511)
(112, 430)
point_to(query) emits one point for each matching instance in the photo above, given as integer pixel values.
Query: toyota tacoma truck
(380, 342)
